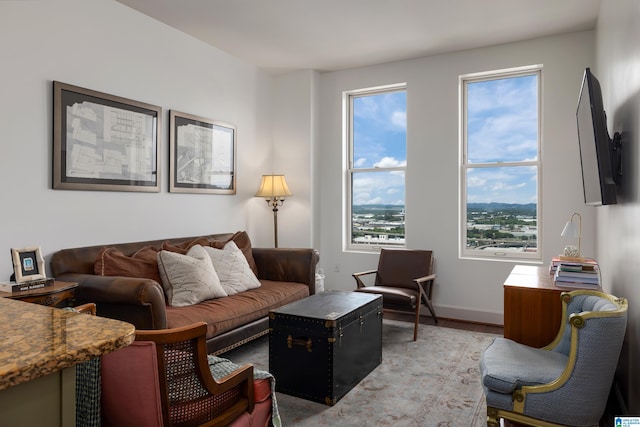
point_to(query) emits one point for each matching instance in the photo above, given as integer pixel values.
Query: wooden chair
(88, 308)
(169, 368)
(405, 280)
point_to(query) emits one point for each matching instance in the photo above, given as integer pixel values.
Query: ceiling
(327, 35)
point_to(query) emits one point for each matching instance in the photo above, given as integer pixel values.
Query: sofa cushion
(240, 238)
(232, 268)
(183, 248)
(189, 279)
(242, 241)
(113, 262)
(225, 314)
(506, 365)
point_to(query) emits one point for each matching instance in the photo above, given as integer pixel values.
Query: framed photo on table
(104, 142)
(202, 155)
(28, 264)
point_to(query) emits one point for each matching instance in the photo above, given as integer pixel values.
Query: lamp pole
(274, 203)
(579, 231)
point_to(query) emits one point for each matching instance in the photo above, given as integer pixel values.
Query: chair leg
(492, 418)
(427, 302)
(416, 323)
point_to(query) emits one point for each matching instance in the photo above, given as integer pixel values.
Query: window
(500, 164)
(376, 140)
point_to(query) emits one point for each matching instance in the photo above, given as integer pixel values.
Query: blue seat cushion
(506, 365)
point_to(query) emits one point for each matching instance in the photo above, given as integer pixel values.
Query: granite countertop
(36, 340)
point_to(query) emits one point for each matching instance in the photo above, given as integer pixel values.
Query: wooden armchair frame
(190, 395)
(88, 308)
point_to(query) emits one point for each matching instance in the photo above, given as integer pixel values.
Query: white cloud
(386, 111)
(399, 119)
(360, 162)
(502, 119)
(475, 181)
(389, 162)
(378, 188)
(501, 186)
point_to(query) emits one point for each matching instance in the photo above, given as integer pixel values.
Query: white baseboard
(466, 314)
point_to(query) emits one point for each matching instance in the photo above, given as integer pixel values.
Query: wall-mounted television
(599, 154)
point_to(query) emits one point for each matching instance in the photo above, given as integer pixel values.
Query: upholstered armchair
(567, 382)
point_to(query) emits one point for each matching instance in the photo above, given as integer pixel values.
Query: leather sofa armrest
(136, 300)
(287, 265)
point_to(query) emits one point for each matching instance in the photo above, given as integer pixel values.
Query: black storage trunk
(322, 346)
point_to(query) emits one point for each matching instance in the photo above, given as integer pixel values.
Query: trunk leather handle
(302, 342)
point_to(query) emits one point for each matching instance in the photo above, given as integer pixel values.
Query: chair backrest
(131, 387)
(399, 267)
(586, 302)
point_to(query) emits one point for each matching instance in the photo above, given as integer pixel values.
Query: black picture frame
(104, 142)
(202, 155)
(28, 264)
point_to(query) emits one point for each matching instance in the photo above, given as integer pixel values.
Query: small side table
(60, 294)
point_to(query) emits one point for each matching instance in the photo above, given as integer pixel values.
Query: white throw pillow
(233, 269)
(189, 279)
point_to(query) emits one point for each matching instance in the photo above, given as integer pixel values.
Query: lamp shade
(273, 186)
(570, 230)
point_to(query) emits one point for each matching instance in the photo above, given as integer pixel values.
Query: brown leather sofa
(286, 275)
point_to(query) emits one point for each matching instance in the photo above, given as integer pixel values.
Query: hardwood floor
(448, 323)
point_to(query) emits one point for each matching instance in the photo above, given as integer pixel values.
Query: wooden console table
(532, 308)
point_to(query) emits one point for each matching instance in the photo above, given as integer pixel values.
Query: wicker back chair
(188, 393)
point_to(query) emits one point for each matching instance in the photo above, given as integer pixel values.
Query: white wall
(465, 289)
(105, 46)
(293, 141)
(618, 247)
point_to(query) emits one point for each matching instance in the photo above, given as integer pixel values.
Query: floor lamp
(274, 189)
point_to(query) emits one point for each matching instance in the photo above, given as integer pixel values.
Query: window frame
(349, 170)
(464, 166)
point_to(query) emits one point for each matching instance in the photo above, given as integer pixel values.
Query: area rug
(433, 382)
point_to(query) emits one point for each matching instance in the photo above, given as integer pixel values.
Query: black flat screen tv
(599, 154)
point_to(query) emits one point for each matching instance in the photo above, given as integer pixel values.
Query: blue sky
(502, 126)
(380, 134)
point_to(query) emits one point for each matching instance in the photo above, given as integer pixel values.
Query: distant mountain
(492, 207)
(377, 207)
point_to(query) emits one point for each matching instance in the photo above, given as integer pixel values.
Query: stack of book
(25, 286)
(577, 274)
(556, 260)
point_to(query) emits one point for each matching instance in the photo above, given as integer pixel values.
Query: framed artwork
(104, 142)
(28, 264)
(202, 155)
